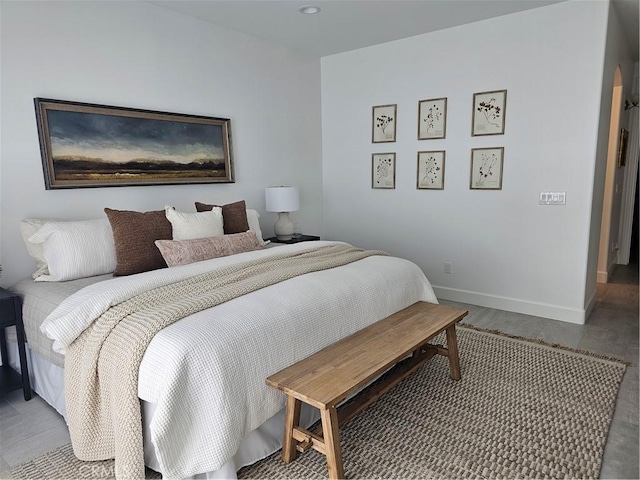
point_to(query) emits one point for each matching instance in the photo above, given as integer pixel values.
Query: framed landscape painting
(88, 145)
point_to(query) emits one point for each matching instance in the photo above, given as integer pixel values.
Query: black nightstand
(11, 314)
(299, 238)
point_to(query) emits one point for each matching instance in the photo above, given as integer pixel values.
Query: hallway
(613, 328)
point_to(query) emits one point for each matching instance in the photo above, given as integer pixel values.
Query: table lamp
(282, 200)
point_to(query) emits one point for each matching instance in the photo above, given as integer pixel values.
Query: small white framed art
(486, 168)
(432, 119)
(431, 170)
(383, 123)
(383, 170)
(489, 113)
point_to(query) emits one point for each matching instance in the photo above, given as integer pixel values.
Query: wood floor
(28, 429)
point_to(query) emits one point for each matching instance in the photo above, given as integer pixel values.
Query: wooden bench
(328, 377)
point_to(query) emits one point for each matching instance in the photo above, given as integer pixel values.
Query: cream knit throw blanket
(101, 365)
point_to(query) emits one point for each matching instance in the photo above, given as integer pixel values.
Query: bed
(206, 409)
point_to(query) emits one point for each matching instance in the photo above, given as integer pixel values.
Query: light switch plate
(553, 198)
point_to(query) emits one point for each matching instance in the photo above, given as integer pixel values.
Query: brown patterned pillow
(183, 252)
(234, 215)
(133, 235)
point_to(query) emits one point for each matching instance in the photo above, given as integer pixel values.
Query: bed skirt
(47, 380)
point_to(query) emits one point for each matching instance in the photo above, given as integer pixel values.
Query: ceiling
(345, 25)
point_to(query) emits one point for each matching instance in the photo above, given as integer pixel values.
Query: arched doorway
(608, 251)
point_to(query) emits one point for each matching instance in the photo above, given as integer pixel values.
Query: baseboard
(590, 304)
(554, 312)
(603, 277)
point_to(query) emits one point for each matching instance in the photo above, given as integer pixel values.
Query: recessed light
(309, 9)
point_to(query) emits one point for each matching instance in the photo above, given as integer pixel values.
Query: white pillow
(187, 226)
(28, 227)
(76, 249)
(254, 224)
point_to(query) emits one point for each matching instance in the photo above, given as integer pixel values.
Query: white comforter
(206, 374)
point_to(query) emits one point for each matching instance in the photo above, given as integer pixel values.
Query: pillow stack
(129, 242)
(214, 231)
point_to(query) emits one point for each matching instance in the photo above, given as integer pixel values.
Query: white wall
(507, 251)
(139, 55)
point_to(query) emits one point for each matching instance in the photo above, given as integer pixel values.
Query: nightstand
(10, 315)
(299, 238)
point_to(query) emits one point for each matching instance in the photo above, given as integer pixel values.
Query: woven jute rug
(62, 464)
(521, 410)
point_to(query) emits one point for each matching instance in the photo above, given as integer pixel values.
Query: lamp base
(283, 227)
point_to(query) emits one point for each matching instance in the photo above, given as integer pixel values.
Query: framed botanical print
(431, 170)
(383, 123)
(489, 113)
(486, 168)
(432, 119)
(383, 170)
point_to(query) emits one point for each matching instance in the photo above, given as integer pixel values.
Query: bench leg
(452, 347)
(292, 420)
(331, 435)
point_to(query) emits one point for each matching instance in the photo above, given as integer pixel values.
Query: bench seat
(325, 379)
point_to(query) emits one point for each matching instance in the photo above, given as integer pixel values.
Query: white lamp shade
(281, 199)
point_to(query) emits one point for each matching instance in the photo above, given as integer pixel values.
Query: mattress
(39, 299)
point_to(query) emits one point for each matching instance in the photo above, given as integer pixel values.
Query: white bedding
(206, 374)
(39, 299)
